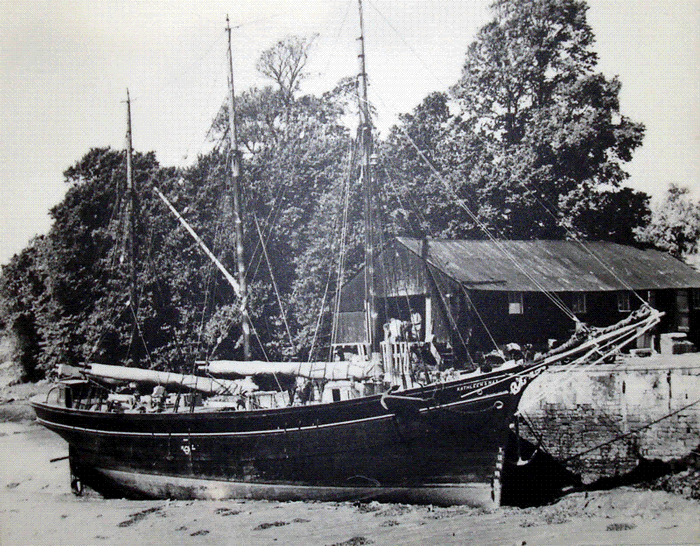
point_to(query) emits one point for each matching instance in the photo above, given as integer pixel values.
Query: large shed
(471, 294)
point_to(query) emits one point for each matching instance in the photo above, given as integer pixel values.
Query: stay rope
(342, 248)
(416, 210)
(556, 300)
(341, 241)
(274, 282)
(546, 205)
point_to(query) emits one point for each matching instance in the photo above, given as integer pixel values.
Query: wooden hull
(441, 444)
(169, 487)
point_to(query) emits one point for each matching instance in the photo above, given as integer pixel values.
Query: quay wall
(602, 421)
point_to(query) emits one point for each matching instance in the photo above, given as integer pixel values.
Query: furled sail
(309, 370)
(205, 385)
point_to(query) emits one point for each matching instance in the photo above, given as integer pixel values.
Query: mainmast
(238, 223)
(364, 136)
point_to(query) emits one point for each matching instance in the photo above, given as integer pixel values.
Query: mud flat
(37, 508)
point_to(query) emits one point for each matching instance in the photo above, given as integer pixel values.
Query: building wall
(542, 320)
(403, 286)
(405, 282)
(602, 421)
(694, 313)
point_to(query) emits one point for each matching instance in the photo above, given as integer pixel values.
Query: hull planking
(440, 444)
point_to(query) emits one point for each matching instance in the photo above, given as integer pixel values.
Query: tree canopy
(531, 139)
(675, 224)
(284, 63)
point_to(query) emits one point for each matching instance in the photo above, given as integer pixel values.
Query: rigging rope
(270, 223)
(342, 247)
(481, 320)
(140, 334)
(424, 223)
(159, 286)
(341, 222)
(274, 284)
(546, 206)
(616, 342)
(635, 431)
(418, 213)
(320, 316)
(337, 37)
(608, 336)
(551, 295)
(546, 202)
(556, 300)
(425, 64)
(113, 254)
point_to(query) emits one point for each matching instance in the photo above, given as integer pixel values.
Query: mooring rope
(635, 431)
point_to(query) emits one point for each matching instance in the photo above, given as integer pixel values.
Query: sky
(65, 66)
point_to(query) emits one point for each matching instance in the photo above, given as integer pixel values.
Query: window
(623, 302)
(696, 298)
(651, 298)
(578, 305)
(682, 311)
(515, 303)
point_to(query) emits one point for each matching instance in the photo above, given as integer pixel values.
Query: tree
(416, 202)
(606, 215)
(264, 113)
(674, 225)
(82, 244)
(90, 316)
(23, 301)
(532, 128)
(295, 154)
(284, 63)
(293, 189)
(295, 165)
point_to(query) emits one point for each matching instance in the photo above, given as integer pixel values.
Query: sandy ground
(37, 507)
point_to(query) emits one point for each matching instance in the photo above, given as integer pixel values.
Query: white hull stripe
(51, 424)
(471, 493)
(127, 476)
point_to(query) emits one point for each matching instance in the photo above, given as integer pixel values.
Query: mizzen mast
(131, 224)
(366, 145)
(131, 204)
(236, 189)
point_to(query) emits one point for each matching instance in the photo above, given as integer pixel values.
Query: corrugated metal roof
(557, 266)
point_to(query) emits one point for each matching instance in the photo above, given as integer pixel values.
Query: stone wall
(603, 420)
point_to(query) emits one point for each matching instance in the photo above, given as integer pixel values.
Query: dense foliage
(23, 302)
(530, 139)
(67, 298)
(529, 143)
(675, 224)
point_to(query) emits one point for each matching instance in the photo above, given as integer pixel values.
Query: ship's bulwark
(444, 449)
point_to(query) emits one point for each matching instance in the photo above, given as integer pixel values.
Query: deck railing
(398, 358)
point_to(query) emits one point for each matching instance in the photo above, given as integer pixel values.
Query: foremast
(236, 190)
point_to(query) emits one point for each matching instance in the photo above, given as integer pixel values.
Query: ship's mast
(364, 136)
(236, 188)
(131, 218)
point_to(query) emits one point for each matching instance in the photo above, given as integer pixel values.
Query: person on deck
(416, 325)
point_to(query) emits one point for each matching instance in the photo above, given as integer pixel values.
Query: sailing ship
(399, 431)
